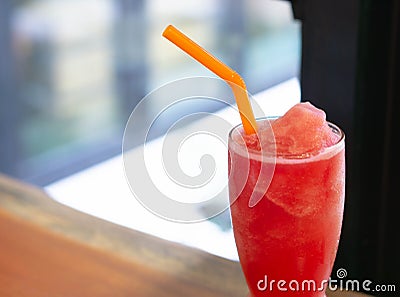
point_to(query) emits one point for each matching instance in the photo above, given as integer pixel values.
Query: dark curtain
(351, 69)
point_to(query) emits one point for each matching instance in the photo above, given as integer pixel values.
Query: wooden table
(48, 249)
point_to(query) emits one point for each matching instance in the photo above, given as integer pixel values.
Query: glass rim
(294, 158)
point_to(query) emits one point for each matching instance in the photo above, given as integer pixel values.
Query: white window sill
(102, 191)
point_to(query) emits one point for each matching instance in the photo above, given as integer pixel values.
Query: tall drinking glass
(287, 242)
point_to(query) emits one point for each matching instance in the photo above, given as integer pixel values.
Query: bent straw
(234, 80)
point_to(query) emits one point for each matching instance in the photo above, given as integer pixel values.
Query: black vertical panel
(350, 68)
(8, 94)
(377, 121)
(389, 258)
(329, 44)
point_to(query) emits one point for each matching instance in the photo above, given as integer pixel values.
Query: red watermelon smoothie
(287, 242)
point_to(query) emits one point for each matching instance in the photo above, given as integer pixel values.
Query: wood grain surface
(48, 249)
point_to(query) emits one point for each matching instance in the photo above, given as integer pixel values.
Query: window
(74, 70)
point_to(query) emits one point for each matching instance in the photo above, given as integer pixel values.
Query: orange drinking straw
(223, 71)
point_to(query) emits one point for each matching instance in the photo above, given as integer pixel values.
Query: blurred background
(72, 71)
